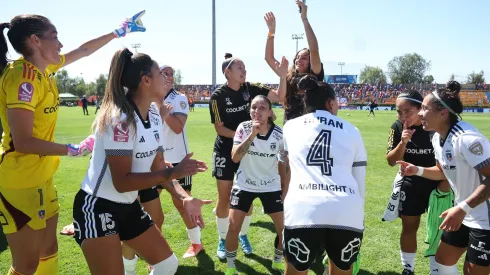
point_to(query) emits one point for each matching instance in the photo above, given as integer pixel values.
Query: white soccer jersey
(175, 145)
(120, 139)
(258, 168)
(464, 151)
(328, 171)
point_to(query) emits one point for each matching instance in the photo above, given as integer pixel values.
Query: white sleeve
(281, 154)
(475, 149)
(181, 106)
(240, 135)
(359, 166)
(119, 139)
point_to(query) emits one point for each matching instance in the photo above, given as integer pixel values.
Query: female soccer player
(409, 142)
(306, 61)
(29, 106)
(463, 157)
(176, 147)
(256, 147)
(105, 210)
(324, 205)
(229, 105)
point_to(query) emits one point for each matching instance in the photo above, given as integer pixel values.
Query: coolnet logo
(351, 249)
(236, 109)
(419, 151)
(297, 248)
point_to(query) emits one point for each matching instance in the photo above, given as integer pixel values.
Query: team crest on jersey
(273, 146)
(449, 155)
(183, 104)
(246, 96)
(228, 101)
(476, 148)
(121, 132)
(41, 214)
(155, 120)
(25, 92)
(157, 136)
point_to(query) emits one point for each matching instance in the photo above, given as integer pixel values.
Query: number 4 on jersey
(319, 154)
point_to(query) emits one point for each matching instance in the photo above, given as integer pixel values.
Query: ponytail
(3, 47)
(124, 78)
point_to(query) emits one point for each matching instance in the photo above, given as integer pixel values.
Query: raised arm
(316, 64)
(269, 46)
(132, 24)
(281, 70)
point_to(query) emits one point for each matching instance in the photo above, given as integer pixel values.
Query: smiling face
(431, 117)
(302, 62)
(407, 112)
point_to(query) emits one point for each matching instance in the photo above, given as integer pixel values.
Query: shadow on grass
(266, 225)
(205, 265)
(3, 241)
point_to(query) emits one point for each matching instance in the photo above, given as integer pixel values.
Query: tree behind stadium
(372, 76)
(408, 69)
(476, 78)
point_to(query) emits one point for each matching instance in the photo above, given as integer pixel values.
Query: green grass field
(380, 249)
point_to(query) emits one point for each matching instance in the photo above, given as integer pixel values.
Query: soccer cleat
(407, 272)
(193, 250)
(231, 271)
(221, 252)
(246, 246)
(279, 267)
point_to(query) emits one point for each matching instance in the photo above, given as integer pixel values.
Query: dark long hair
(21, 28)
(293, 77)
(124, 78)
(318, 93)
(450, 97)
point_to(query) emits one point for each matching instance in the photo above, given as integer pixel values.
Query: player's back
(322, 150)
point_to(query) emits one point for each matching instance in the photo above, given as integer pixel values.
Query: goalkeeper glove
(132, 24)
(84, 148)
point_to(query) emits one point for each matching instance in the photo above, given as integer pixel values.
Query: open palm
(270, 19)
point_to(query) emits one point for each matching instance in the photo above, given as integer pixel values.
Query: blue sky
(453, 35)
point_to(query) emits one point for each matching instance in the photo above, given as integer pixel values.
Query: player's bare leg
(103, 255)
(194, 233)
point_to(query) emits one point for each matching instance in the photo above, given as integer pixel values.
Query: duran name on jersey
(258, 168)
(175, 145)
(121, 139)
(460, 155)
(328, 168)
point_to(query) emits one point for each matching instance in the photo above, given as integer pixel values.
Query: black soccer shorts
(223, 167)
(477, 242)
(97, 217)
(302, 244)
(242, 200)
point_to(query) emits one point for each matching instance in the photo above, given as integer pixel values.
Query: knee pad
(447, 269)
(166, 267)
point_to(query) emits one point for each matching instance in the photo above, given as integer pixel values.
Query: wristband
(420, 172)
(466, 208)
(270, 34)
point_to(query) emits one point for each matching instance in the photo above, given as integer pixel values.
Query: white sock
(408, 260)
(130, 265)
(230, 258)
(245, 225)
(222, 224)
(448, 269)
(434, 267)
(194, 235)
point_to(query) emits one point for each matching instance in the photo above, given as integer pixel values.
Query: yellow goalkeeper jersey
(24, 86)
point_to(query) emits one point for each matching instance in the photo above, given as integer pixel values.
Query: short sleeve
(281, 155)
(215, 109)
(258, 89)
(240, 135)
(181, 106)
(321, 75)
(53, 68)
(119, 139)
(475, 149)
(394, 138)
(22, 90)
